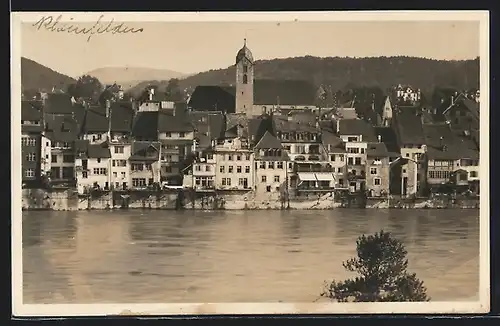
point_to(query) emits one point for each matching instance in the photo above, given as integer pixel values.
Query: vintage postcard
(250, 163)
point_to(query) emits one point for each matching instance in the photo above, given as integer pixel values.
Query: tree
(173, 91)
(86, 87)
(382, 267)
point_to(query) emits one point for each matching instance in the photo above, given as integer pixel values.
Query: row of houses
(120, 147)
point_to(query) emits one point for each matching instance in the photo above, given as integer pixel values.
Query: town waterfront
(233, 256)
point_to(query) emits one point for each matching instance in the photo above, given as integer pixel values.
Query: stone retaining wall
(39, 199)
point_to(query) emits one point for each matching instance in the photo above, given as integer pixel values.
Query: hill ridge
(343, 72)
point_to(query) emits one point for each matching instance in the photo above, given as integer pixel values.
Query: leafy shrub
(381, 266)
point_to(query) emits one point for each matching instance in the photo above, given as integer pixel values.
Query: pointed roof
(244, 52)
(268, 141)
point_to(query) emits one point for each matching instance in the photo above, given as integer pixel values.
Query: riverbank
(69, 200)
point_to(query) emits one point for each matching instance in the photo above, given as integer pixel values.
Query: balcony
(313, 168)
(120, 140)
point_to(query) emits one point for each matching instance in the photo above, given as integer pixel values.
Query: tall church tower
(244, 80)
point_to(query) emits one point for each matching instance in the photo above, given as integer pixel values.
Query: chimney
(379, 137)
(441, 141)
(151, 94)
(337, 128)
(108, 108)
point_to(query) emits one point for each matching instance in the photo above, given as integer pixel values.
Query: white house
(120, 170)
(92, 166)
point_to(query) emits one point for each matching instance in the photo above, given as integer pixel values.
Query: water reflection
(193, 256)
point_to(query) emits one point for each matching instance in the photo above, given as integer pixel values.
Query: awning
(306, 176)
(325, 177)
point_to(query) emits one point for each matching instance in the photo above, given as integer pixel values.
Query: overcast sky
(191, 47)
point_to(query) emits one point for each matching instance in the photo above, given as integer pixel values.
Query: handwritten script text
(99, 27)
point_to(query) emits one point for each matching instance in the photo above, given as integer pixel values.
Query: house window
(270, 165)
(350, 161)
(230, 169)
(339, 170)
(98, 160)
(362, 150)
(226, 181)
(229, 157)
(221, 169)
(280, 165)
(168, 134)
(31, 157)
(332, 157)
(123, 174)
(238, 157)
(352, 139)
(262, 165)
(54, 159)
(210, 156)
(119, 149)
(473, 174)
(264, 178)
(207, 168)
(148, 166)
(357, 160)
(27, 141)
(247, 157)
(29, 173)
(137, 167)
(115, 174)
(276, 178)
(68, 173)
(376, 181)
(182, 135)
(245, 79)
(245, 69)
(373, 170)
(268, 188)
(243, 182)
(138, 182)
(238, 169)
(100, 171)
(300, 149)
(247, 169)
(290, 165)
(85, 175)
(197, 168)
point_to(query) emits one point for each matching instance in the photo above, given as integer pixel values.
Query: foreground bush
(381, 266)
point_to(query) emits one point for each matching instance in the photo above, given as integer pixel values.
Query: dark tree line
(346, 73)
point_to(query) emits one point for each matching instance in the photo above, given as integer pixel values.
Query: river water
(233, 256)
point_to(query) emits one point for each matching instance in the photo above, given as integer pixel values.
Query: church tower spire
(244, 80)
